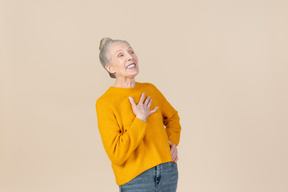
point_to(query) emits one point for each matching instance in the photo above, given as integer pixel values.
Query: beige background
(222, 64)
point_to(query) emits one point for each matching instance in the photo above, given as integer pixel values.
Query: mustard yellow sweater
(133, 145)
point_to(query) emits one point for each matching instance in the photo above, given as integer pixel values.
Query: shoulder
(148, 85)
(152, 89)
(105, 99)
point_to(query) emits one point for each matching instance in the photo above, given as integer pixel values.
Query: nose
(129, 57)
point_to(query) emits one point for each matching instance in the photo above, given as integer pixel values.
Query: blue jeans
(161, 178)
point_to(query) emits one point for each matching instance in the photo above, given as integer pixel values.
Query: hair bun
(103, 42)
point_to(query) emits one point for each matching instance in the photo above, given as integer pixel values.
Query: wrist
(141, 118)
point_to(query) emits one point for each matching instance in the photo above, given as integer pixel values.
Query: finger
(154, 110)
(172, 150)
(142, 98)
(174, 156)
(132, 102)
(175, 153)
(150, 103)
(176, 159)
(147, 100)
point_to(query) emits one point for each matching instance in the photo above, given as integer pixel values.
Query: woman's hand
(141, 110)
(174, 152)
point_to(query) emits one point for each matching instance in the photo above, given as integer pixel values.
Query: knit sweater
(131, 144)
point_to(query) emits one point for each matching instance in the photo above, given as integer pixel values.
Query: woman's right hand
(142, 109)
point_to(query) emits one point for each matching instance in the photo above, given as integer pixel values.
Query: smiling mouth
(131, 66)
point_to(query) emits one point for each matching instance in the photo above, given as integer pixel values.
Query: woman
(141, 143)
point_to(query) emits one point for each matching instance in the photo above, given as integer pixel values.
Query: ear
(109, 68)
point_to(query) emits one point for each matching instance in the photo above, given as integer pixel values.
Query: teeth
(130, 66)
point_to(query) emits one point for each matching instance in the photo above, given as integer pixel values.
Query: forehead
(118, 46)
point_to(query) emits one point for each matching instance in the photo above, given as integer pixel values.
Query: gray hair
(105, 43)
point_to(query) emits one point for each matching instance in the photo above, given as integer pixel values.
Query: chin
(132, 74)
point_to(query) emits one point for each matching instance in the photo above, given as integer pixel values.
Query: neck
(125, 82)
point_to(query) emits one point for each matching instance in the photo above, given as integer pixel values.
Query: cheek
(135, 57)
(121, 65)
(118, 63)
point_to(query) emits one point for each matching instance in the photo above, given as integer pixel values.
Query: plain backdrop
(222, 64)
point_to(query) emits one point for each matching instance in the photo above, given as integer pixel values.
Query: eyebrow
(122, 50)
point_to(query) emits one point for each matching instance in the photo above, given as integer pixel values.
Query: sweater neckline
(124, 88)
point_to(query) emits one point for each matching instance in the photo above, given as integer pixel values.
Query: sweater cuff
(138, 127)
(139, 122)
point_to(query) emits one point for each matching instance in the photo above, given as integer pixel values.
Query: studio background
(222, 64)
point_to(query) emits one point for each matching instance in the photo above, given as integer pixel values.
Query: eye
(131, 52)
(120, 55)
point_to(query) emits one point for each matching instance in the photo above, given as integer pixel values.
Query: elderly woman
(139, 136)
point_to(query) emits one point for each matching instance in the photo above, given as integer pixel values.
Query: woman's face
(123, 60)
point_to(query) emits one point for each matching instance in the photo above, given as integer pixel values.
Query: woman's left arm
(171, 119)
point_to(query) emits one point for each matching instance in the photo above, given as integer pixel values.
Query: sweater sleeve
(171, 119)
(118, 145)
